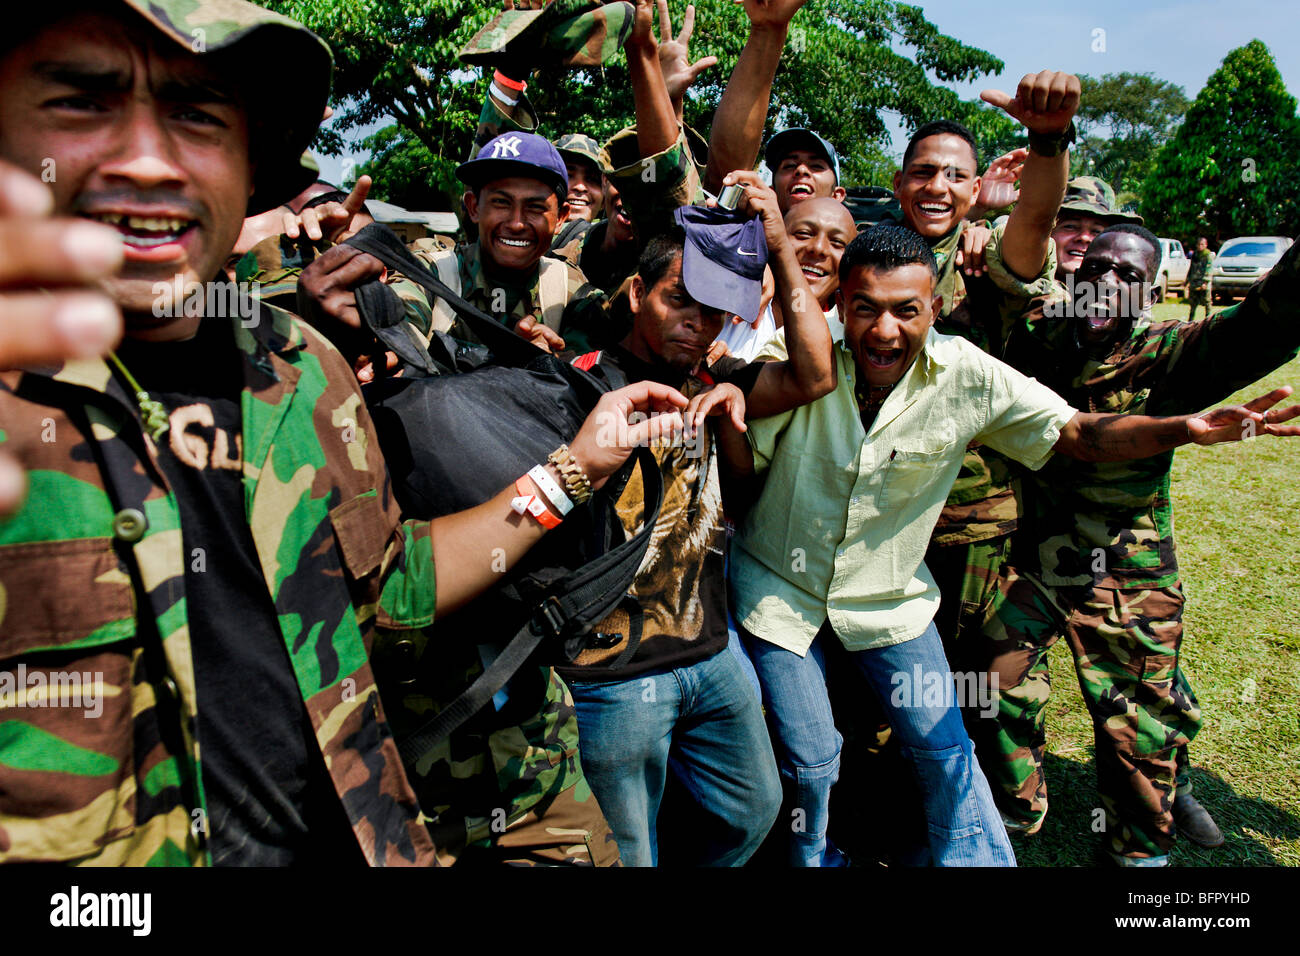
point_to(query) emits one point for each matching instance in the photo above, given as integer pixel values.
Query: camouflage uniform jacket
(1110, 524)
(484, 770)
(982, 504)
(93, 569)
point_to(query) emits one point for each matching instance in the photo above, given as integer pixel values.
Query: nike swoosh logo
(744, 253)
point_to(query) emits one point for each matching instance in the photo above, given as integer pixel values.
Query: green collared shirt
(841, 528)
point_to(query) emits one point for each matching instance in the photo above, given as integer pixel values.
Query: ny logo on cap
(506, 146)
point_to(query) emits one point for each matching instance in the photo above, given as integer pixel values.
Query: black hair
(1143, 233)
(887, 246)
(659, 254)
(944, 127)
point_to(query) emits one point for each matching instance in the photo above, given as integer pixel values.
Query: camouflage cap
(620, 150)
(580, 146)
(1088, 194)
(563, 33)
(291, 64)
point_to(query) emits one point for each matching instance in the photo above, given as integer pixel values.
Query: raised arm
(656, 119)
(737, 131)
(809, 372)
(1045, 104)
(1214, 357)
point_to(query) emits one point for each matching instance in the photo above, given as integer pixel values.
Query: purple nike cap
(723, 259)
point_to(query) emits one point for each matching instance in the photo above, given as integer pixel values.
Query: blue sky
(1183, 42)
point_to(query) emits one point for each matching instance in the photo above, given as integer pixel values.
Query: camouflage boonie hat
(1088, 194)
(293, 66)
(564, 33)
(581, 146)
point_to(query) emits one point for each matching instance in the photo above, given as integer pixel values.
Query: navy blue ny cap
(515, 154)
(723, 259)
(788, 140)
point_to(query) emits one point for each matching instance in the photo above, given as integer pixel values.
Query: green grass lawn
(1235, 510)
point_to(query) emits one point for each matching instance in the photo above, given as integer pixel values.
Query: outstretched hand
(998, 184)
(332, 220)
(611, 431)
(50, 307)
(679, 72)
(1240, 422)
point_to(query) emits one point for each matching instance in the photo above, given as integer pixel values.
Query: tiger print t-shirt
(680, 586)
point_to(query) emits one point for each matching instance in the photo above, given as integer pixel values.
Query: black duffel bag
(457, 428)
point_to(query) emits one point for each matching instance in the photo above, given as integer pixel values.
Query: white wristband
(553, 492)
(502, 95)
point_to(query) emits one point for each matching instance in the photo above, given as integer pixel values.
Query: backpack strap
(581, 600)
(552, 291)
(447, 265)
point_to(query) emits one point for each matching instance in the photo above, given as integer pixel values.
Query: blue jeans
(964, 826)
(708, 718)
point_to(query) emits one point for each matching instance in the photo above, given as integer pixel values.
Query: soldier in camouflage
(215, 499)
(581, 155)
(507, 273)
(1198, 279)
(1098, 558)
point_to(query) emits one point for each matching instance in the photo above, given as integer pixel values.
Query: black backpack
(459, 425)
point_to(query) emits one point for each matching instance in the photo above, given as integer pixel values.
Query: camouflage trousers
(1196, 298)
(1125, 646)
(970, 579)
(567, 829)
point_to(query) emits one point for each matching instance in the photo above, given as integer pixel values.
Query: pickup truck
(1174, 264)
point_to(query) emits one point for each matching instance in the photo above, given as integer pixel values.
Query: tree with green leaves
(1123, 120)
(844, 73)
(1229, 170)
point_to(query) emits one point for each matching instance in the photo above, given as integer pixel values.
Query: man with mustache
(1098, 560)
(209, 526)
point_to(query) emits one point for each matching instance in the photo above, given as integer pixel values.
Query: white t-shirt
(745, 341)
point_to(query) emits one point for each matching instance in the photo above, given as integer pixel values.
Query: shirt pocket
(68, 651)
(912, 471)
